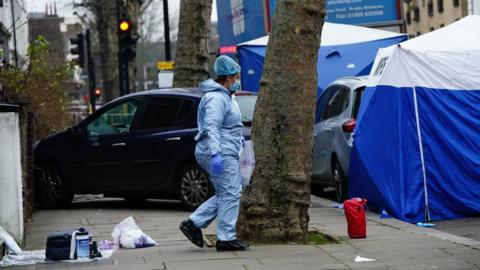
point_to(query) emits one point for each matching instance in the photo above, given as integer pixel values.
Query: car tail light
(349, 125)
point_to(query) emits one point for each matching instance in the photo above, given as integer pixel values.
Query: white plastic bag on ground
(24, 258)
(362, 259)
(9, 241)
(247, 162)
(38, 257)
(127, 234)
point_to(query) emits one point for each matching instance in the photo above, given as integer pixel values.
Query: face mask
(235, 87)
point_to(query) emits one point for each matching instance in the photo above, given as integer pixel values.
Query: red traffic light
(124, 26)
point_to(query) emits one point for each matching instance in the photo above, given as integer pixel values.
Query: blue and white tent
(417, 141)
(346, 50)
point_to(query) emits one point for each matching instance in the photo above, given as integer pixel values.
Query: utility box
(11, 200)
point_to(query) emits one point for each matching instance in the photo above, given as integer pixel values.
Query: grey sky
(65, 7)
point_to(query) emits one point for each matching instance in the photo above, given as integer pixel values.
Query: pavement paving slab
(393, 243)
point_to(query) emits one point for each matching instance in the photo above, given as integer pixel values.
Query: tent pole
(420, 144)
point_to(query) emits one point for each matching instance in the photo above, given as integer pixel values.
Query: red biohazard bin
(355, 214)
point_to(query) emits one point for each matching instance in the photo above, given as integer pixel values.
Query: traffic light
(78, 48)
(127, 40)
(98, 92)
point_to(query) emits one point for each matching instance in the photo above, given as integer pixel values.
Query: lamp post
(166, 25)
(15, 55)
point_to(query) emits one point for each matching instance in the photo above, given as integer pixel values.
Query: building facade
(474, 7)
(53, 28)
(423, 16)
(13, 31)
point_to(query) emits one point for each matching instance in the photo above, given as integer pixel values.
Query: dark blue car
(137, 147)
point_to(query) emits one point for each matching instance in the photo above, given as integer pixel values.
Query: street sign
(361, 11)
(243, 20)
(165, 65)
(239, 21)
(165, 79)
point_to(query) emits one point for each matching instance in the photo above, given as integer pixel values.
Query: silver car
(335, 116)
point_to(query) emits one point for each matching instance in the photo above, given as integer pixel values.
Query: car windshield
(247, 106)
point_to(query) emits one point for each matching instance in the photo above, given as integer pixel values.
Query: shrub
(39, 84)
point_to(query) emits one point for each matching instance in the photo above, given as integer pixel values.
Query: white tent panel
(444, 59)
(462, 35)
(339, 34)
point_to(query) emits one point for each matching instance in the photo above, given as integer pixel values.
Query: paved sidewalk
(394, 244)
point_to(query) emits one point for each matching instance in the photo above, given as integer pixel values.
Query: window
(166, 112)
(416, 14)
(456, 3)
(358, 100)
(432, 29)
(322, 102)
(430, 8)
(440, 6)
(337, 103)
(409, 17)
(246, 104)
(114, 121)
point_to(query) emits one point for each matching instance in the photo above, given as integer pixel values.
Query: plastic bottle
(83, 244)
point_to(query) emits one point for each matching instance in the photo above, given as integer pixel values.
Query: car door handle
(328, 130)
(173, 139)
(118, 144)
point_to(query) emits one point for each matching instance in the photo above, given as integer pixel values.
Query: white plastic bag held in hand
(247, 162)
(127, 234)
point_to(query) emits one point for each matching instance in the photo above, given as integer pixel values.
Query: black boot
(193, 233)
(233, 245)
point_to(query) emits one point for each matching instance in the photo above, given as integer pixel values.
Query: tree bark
(192, 46)
(275, 207)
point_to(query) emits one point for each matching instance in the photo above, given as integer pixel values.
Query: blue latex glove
(217, 164)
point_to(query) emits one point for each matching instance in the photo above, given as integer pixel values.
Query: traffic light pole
(122, 63)
(166, 25)
(91, 72)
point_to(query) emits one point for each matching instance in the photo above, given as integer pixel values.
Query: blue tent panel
(349, 60)
(363, 186)
(333, 61)
(383, 157)
(251, 60)
(386, 167)
(450, 122)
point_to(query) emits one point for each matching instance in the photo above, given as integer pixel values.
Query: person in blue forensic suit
(219, 140)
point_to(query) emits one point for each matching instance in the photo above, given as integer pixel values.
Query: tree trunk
(192, 46)
(275, 207)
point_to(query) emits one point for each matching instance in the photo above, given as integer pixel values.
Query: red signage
(228, 50)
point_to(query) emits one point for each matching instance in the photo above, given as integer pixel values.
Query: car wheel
(340, 182)
(195, 188)
(51, 190)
